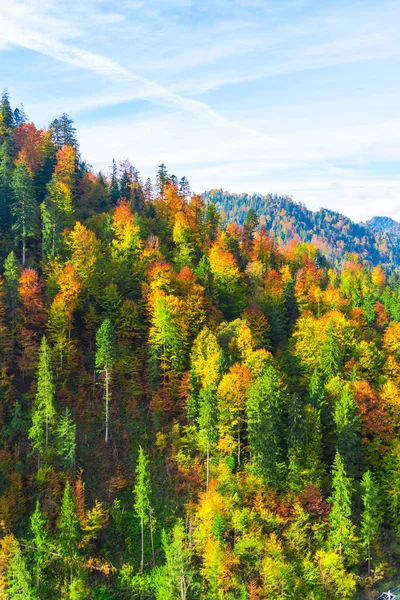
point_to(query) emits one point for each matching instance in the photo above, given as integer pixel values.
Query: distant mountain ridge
(377, 240)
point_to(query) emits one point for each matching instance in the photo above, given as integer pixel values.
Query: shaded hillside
(377, 241)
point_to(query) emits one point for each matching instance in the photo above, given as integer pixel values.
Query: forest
(190, 407)
(335, 235)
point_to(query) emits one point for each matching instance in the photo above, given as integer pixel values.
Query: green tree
(18, 578)
(66, 439)
(57, 211)
(347, 422)
(264, 408)
(371, 516)
(44, 412)
(41, 544)
(24, 209)
(104, 361)
(63, 131)
(11, 278)
(207, 423)
(330, 353)
(341, 535)
(142, 493)
(69, 533)
(6, 191)
(175, 578)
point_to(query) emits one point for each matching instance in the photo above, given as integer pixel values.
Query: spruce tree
(41, 543)
(104, 361)
(371, 516)
(24, 209)
(18, 578)
(207, 424)
(44, 413)
(66, 440)
(142, 492)
(11, 278)
(341, 534)
(69, 532)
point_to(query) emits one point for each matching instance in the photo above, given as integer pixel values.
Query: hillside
(189, 409)
(377, 241)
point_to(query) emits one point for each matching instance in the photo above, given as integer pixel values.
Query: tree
(347, 424)
(142, 493)
(44, 413)
(57, 211)
(11, 279)
(69, 533)
(18, 578)
(66, 440)
(24, 209)
(341, 535)
(207, 424)
(104, 361)
(6, 191)
(63, 131)
(264, 406)
(174, 579)
(115, 193)
(41, 543)
(6, 112)
(162, 178)
(371, 516)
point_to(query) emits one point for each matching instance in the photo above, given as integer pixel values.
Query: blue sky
(295, 97)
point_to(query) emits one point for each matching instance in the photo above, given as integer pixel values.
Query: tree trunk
(106, 406)
(142, 561)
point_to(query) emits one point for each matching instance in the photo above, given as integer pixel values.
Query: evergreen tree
(175, 578)
(6, 112)
(18, 578)
(20, 116)
(41, 544)
(264, 407)
(69, 533)
(162, 179)
(115, 193)
(57, 211)
(341, 534)
(347, 421)
(207, 424)
(105, 358)
(11, 278)
(24, 209)
(371, 516)
(66, 440)
(6, 191)
(330, 353)
(142, 492)
(64, 132)
(184, 188)
(44, 413)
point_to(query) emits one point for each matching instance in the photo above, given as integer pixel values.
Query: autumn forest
(192, 406)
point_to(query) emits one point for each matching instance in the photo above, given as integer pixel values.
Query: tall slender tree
(44, 412)
(371, 516)
(24, 209)
(104, 361)
(142, 493)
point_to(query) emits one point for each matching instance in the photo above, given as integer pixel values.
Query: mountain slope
(377, 241)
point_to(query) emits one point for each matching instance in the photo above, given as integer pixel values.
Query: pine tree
(347, 421)
(341, 535)
(11, 279)
(44, 413)
(330, 353)
(184, 188)
(18, 578)
(63, 131)
(142, 493)
(66, 440)
(41, 543)
(207, 424)
(69, 533)
(162, 178)
(6, 112)
(115, 193)
(104, 361)
(6, 191)
(24, 209)
(371, 516)
(264, 407)
(57, 211)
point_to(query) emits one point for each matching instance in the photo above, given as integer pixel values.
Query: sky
(297, 97)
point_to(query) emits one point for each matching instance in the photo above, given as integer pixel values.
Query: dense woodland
(376, 241)
(189, 408)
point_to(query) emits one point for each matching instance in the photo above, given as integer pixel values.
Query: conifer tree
(57, 211)
(24, 209)
(18, 578)
(346, 421)
(69, 533)
(341, 535)
(41, 543)
(371, 516)
(6, 191)
(66, 440)
(11, 279)
(104, 361)
(63, 131)
(142, 493)
(207, 423)
(44, 413)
